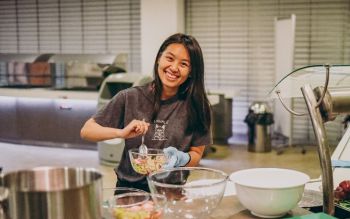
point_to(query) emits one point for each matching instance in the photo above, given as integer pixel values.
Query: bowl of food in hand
(191, 192)
(269, 192)
(140, 205)
(147, 163)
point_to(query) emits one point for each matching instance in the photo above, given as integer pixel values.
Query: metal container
(54, 193)
(258, 120)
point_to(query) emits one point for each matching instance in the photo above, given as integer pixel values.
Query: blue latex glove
(175, 157)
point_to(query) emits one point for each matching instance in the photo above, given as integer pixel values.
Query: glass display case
(326, 91)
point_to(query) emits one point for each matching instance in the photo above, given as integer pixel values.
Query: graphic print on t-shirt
(159, 130)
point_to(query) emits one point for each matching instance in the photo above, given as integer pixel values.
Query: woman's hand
(175, 157)
(178, 158)
(134, 128)
(92, 131)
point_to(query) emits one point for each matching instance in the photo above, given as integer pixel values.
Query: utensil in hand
(143, 148)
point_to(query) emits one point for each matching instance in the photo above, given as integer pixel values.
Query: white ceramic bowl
(269, 192)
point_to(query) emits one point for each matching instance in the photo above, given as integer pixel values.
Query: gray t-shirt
(168, 129)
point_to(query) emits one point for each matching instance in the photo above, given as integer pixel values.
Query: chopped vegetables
(145, 211)
(145, 164)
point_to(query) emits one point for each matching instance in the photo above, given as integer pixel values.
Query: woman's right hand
(134, 128)
(92, 131)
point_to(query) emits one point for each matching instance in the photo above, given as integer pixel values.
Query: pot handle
(1, 178)
(3, 198)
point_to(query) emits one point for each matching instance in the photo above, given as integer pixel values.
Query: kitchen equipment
(39, 71)
(79, 71)
(324, 103)
(3, 203)
(191, 192)
(221, 101)
(108, 193)
(258, 120)
(143, 148)
(13, 71)
(269, 192)
(146, 163)
(54, 193)
(141, 205)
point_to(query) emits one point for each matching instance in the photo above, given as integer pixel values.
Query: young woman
(172, 112)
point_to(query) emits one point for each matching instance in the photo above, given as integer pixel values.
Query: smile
(171, 76)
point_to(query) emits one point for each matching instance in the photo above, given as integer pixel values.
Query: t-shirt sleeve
(112, 114)
(200, 139)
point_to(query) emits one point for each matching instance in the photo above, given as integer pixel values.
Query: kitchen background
(237, 38)
(55, 53)
(61, 60)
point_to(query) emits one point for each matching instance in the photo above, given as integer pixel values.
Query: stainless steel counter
(48, 93)
(44, 117)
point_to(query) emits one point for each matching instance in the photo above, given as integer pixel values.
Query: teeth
(171, 75)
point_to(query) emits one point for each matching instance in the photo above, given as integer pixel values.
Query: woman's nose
(174, 66)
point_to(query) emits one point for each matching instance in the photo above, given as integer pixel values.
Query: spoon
(143, 148)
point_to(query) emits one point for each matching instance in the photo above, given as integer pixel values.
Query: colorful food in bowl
(269, 192)
(342, 192)
(191, 192)
(147, 163)
(108, 193)
(136, 205)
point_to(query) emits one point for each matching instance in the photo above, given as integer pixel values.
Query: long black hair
(192, 90)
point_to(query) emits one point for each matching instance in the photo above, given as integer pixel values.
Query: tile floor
(227, 158)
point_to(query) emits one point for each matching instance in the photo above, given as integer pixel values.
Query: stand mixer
(324, 103)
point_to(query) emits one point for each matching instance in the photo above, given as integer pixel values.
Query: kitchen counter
(230, 208)
(45, 117)
(48, 93)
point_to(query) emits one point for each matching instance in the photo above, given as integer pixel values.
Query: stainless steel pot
(54, 193)
(3, 203)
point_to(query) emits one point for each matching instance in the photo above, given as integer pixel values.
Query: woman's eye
(184, 64)
(169, 58)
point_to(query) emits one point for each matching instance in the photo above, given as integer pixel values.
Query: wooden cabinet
(45, 121)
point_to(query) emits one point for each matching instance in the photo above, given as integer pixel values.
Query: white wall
(159, 19)
(284, 61)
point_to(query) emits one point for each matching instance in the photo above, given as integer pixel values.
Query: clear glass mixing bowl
(108, 193)
(191, 192)
(147, 163)
(140, 205)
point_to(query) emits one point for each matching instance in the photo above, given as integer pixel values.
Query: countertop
(48, 93)
(230, 208)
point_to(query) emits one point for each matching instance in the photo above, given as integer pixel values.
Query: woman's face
(174, 67)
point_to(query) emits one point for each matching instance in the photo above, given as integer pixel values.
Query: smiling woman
(173, 69)
(172, 112)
